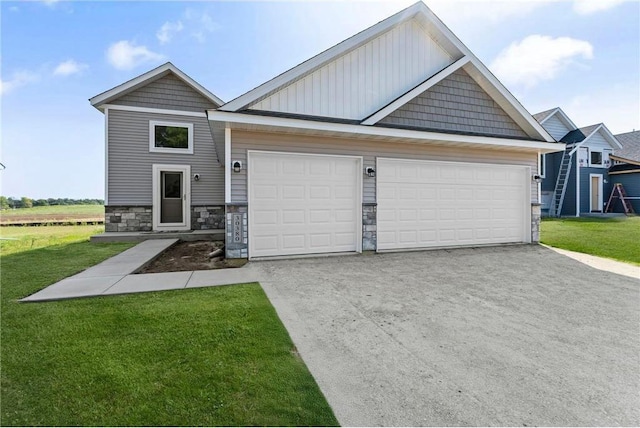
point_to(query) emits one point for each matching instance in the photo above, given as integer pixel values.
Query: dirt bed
(185, 256)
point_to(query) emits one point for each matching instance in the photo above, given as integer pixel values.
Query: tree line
(24, 202)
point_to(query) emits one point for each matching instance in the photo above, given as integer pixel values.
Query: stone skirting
(236, 245)
(536, 213)
(127, 219)
(369, 227)
(207, 217)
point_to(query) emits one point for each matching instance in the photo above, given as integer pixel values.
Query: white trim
(600, 196)
(563, 118)
(106, 156)
(359, 188)
(399, 102)
(227, 165)
(230, 118)
(540, 173)
(154, 110)
(611, 139)
(322, 58)
(595, 165)
(578, 186)
(139, 81)
(152, 137)
(186, 204)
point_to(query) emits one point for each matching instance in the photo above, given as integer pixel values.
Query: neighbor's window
(596, 158)
(170, 137)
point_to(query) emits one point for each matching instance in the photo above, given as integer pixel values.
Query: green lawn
(23, 238)
(615, 238)
(210, 356)
(89, 210)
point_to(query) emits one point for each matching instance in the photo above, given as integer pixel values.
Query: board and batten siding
(457, 104)
(360, 82)
(168, 92)
(130, 162)
(242, 141)
(555, 127)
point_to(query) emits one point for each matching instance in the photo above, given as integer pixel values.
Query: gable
(359, 82)
(456, 104)
(598, 141)
(556, 127)
(167, 92)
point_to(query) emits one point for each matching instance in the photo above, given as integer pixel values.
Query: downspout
(578, 185)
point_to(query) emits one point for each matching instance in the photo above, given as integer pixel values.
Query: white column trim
(227, 165)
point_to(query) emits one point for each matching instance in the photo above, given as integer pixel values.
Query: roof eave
(236, 120)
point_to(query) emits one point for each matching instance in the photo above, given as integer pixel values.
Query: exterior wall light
(237, 166)
(370, 172)
(536, 178)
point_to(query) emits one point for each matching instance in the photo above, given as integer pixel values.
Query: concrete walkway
(115, 276)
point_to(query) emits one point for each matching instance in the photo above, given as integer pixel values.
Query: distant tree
(40, 203)
(26, 202)
(4, 203)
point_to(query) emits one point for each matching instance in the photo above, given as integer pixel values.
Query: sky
(581, 55)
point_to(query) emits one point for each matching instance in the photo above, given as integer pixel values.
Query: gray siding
(130, 162)
(369, 150)
(168, 92)
(457, 104)
(555, 127)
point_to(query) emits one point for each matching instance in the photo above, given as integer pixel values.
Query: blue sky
(581, 55)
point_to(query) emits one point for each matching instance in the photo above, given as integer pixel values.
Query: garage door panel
(454, 204)
(303, 204)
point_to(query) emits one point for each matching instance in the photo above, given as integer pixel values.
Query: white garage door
(424, 204)
(303, 204)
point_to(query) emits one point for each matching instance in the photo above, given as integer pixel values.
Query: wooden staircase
(622, 195)
(555, 208)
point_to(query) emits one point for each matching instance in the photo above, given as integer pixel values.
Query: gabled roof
(630, 142)
(445, 39)
(143, 79)
(543, 116)
(582, 135)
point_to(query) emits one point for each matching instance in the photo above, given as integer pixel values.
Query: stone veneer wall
(139, 218)
(536, 213)
(369, 226)
(236, 245)
(207, 217)
(127, 219)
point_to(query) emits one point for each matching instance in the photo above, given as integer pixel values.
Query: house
(575, 181)
(396, 138)
(625, 169)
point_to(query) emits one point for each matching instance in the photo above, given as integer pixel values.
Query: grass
(23, 238)
(210, 356)
(615, 238)
(89, 210)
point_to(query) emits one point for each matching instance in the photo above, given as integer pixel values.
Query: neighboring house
(396, 138)
(625, 169)
(575, 181)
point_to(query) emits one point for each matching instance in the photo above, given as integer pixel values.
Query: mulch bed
(186, 256)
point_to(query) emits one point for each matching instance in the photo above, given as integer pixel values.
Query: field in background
(54, 214)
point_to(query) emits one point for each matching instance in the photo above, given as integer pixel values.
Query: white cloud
(50, 2)
(69, 67)
(18, 79)
(585, 7)
(168, 30)
(537, 58)
(200, 24)
(125, 55)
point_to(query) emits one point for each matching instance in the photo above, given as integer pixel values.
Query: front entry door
(596, 193)
(171, 197)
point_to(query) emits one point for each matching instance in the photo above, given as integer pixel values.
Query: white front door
(430, 204)
(595, 192)
(171, 197)
(304, 204)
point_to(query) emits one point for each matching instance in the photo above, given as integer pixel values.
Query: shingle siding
(456, 104)
(168, 92)
(130, 162)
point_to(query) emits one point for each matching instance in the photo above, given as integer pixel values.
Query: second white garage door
(303, 204)
(424, 204)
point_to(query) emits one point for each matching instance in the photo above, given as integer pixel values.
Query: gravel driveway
(515, 335)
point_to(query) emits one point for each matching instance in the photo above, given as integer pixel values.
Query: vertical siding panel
(339, 87)
(324, 92)
(331, 81)
(300, 95)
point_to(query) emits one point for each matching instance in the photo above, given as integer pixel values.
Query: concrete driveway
(515, 335)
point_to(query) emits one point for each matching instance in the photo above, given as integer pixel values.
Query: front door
(171, 197)
(596, 192)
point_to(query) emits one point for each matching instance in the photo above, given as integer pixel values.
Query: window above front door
(170, 137)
